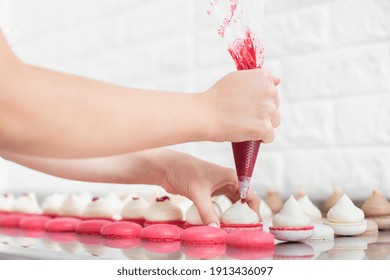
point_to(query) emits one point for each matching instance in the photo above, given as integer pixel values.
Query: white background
(332, 57)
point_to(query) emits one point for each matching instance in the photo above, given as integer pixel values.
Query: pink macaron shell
(203, 251)
(62, 224)
(11, 220)
(241, 227)
(97, 218)
(176, 223)
(141, 222)
(161, 247)
(33, 222)
(187, 225)
(293, 234)
(161, 233)
(92, 226)
(203, 235)
(250, 239)
(122, 243)
(121, 230)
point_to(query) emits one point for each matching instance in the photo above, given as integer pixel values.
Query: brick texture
(332, 57)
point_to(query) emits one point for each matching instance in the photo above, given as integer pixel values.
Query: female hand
(244, 105)
(199, 180)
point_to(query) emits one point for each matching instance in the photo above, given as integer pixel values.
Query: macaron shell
(348, 229)
(62, 224)
(33, 222)
(10, 220)
(161, 247)
(292, 234)
(92, 226)
(141, 222)
(382, 222)
(203, 235)
(250, 240)
(121, 230)
(203, 252)
(122, 243)
(241, 227)
(176, 223)
(161, 233)
(322, 232)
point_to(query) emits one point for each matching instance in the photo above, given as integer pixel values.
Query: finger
(268, 136)
(276, 81)
(277, 101)
(275, 119)
(253, 201)
(206, 209)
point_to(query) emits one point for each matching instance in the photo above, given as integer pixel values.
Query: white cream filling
(7, 202)
(239, 213)
(193, 217)
(291, 215)
(163, 211)
(99, 208)
(265, 210)
(27, 203)
(51, 205)
(73, 205)
(309, 208)
(135, 209)
(344, 211)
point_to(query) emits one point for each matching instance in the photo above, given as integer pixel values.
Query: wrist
(156, 162)
(207, 117)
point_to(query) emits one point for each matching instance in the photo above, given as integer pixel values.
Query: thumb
(206, 210)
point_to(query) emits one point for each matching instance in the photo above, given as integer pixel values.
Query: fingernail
(213, 225)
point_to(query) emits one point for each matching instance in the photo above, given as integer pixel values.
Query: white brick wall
(332, 56)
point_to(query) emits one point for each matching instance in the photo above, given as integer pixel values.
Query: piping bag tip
(244, 184)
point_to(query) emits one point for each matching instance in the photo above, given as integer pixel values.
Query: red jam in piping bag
(245, 153)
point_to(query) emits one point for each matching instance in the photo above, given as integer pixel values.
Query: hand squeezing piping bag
(241, 27)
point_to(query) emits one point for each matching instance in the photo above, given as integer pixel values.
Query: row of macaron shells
(132, 208)
(137, 209)
(300, 221)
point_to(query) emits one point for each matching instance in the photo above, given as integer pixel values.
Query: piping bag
(241, 27)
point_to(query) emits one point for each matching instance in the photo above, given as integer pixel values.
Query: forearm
(136, 168)
(51, 114)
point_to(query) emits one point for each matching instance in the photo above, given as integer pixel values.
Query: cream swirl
(239, 213)
(73, 206)
(309, 208)
(291, 215)
(7, 202)
(27, 203)
(344, 211)
(193, 217)
(51, 205)
(223, 202)
(135, 208)
(99, 208)
(163, 210)
(265, 210)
